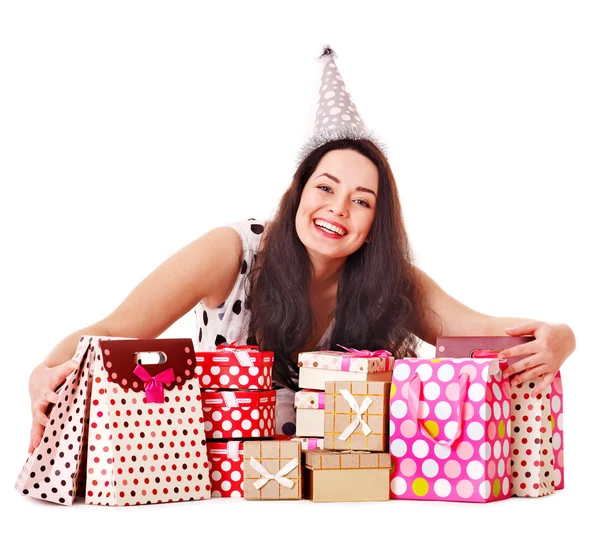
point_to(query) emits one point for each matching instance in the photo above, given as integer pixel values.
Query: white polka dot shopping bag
(450, 430)
(127, 429)
(537, 444)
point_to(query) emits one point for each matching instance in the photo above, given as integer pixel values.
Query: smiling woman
(334, 266)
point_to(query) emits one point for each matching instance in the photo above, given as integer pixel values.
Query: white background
(127, 129)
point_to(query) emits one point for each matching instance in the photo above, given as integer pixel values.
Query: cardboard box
(357, 415)
(272, 470)
(318, 367)
(332, 476)
(310, 413)
(225, 461)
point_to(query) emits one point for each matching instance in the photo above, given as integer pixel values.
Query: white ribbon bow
(287, 483)
(358, 420)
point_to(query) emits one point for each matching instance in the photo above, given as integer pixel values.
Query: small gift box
(272, 470)
(333, 476)
(310, 443)
(318, 367)
(235, 367)
(239, 414)
(310, 412)
(357, 415)
(226, 468)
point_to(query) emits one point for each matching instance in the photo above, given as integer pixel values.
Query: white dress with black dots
(229, 321)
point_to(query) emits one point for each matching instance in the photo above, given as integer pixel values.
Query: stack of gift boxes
(238, 405)
(343, 408)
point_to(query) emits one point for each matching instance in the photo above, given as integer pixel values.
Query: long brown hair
(379, 302)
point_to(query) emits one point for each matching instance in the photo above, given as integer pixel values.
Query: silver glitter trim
(339, 133)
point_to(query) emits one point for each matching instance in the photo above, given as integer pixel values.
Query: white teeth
(330, 227)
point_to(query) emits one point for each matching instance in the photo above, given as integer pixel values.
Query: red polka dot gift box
(128, 427)
(238, 414)
(226, 470)
(537, 456)
(319, 367)
(241, 367)
(450, 430)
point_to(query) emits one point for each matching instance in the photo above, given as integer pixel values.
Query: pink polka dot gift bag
(450, 430)
(127, 429)
(537, 445)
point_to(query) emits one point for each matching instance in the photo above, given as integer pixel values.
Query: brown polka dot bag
(127, 429)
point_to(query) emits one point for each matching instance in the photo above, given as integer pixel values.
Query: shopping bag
(449, 430)
(133, 408)
(537, 456)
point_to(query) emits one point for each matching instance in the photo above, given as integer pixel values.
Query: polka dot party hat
(336, 114)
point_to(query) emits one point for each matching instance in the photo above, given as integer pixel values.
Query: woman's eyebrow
(336, 180)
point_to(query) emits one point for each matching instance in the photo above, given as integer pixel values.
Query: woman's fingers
(532, 374)
(542, 384)
(37, 428)
(62, 371)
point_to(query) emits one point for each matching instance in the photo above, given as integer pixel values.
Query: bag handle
(481, 353)
(414, 398)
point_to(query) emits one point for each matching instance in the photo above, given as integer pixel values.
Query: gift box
(319, 367)
(310, 443)
(226, 468)
(332, 476)
(310, 413)
(272, 470)
(537, 456)
(238, 414)
(235, 367)
(357, 415)
(114, 415)
(450, 430)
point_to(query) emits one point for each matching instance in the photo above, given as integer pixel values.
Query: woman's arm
(163, 297)
(553, 343)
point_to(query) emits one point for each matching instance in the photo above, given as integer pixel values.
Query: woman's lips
(328, 234)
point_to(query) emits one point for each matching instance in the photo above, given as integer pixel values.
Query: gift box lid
(314, 399)
(235, 355)
(322, 459)
(351, 360)
(238, 398)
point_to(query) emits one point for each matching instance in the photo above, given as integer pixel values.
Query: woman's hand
(553, 344)
(42, 383)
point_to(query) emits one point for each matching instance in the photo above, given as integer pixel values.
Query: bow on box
(279, 476)
(154, 386)
(361, 354)
(359, 411)
(240, 351)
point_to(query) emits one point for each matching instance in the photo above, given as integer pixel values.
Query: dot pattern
(226, 469)
(536, 443)
(53, 472)
(222, 370)
(145, 453)
(473, 468)
(253, 417)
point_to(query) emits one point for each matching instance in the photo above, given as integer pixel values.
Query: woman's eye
(363, 203)
(324, 186)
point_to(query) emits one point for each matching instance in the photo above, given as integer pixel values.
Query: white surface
(128, 129)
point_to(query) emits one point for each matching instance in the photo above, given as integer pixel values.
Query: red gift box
(241, 367)
(226, 471)
(238, 414)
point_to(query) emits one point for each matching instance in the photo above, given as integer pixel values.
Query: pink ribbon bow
(154, 386)
(367, 354)
(225, 346)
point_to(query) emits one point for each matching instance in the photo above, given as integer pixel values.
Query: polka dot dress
(229, 321)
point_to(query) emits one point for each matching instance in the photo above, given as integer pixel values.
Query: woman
(333, 266)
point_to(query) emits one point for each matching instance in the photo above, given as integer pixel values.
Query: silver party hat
(336, 116)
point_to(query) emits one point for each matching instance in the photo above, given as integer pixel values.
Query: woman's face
(337, 206)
